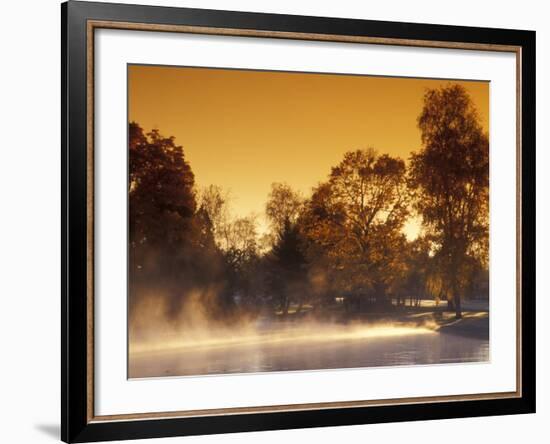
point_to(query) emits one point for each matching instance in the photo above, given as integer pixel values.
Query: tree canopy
(354, 220)
(450, 176)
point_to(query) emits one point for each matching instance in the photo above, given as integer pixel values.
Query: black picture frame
(76, 325)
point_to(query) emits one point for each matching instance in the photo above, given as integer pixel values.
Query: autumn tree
(450, 176)
(214, 201)
(283, 205)
(160, 189)
(170, 242)
(287, 268)
(354, 221)
(237, 239)
(241, 256)
(285, 262)
(413, 274)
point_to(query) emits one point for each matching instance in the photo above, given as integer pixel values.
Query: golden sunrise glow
(243, 130)
(312, 334)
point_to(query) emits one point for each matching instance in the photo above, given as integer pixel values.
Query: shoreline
(473, 324)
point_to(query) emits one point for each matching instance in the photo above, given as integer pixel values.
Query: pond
(277, 348)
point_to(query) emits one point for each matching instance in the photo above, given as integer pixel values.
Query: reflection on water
(307, 350)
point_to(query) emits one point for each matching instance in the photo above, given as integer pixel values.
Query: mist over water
(196, 345)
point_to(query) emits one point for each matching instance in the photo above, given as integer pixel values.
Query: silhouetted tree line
(343, 244)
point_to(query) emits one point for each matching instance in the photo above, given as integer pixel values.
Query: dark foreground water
(289, 350)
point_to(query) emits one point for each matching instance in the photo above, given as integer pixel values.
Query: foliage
(283, 206)
(354, 221)
(287, 266)
(170, 243)
(161, 195)
(450, 175)
(344, 241)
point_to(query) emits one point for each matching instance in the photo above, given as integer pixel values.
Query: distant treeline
(343, 243)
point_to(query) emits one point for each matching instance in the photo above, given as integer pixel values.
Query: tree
(354, 222)
(241, 255)
(417, 261)
(283, 206)
(215, 202)
(171, 244)
(287, 266)
(450, 176)
(160, 188)
(237, 239)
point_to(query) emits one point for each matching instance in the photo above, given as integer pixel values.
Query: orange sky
(243, 130)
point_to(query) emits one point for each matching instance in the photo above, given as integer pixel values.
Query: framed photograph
(275, 221)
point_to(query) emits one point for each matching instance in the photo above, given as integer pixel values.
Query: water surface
(277, 349)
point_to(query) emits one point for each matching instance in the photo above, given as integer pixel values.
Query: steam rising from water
(195, 341)
(192, 330)
(310, 334)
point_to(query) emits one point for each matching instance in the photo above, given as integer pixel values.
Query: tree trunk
(456, 298)
(458, 305)
(457, 261)
(450, 303)
(285, 305)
